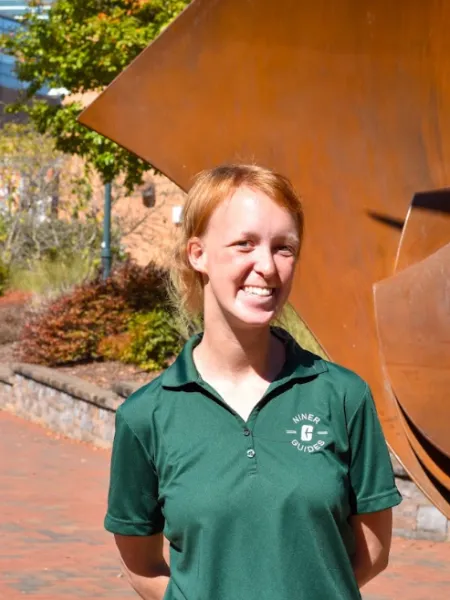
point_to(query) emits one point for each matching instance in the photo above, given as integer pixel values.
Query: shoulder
(331, 379)
(351, 387)
(345, 379)
(138, 410)
(333, 383)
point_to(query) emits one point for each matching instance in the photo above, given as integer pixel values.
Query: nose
(264, 263)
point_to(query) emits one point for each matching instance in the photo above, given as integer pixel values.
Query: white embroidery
(309, 439)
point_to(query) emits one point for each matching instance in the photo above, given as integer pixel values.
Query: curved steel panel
(348, 99)
(426, 229)
(413, 315)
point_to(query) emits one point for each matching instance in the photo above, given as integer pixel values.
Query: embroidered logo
(310, 436)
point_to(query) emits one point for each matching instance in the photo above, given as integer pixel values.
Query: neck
(235, 353)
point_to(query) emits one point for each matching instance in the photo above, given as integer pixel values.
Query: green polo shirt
(255, 510)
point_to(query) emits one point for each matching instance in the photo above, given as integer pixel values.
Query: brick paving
(53, 546)
(52, 500)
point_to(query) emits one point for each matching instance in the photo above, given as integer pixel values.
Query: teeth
(258, 291)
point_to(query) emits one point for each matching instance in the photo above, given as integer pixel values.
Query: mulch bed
(14, 297)
(104, 374)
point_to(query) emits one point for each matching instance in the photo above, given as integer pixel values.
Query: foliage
(113, 347)
(29, 240)
(47, 279)
(4, 277)
(291, 322)
(33, 173)
(82, 47)
(152, 341)
(143, 288)
(42, 252)
(72, 328)
(37, 248)
(30, 167)
(48, 258)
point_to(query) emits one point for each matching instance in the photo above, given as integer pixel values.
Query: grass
(290, 321)
(47, 279)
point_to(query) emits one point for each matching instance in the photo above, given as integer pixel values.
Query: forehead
(247, 209)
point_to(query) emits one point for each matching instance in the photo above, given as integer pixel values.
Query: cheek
(229, 265)
(286, 268)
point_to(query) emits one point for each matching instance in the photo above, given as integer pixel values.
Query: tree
(82, 47)
(32, 232)
(30, 168)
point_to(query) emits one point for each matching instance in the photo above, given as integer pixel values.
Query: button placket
(250, 451)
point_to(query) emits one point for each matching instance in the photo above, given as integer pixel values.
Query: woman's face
(247, 255)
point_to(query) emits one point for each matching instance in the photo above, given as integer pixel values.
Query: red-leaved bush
(71, 328)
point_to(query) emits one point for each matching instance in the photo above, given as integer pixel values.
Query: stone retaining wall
(83, 411)
(65, 404)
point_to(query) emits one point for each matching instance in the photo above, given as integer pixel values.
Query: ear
(196, 253)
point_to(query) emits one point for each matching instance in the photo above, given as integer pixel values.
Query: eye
(244, 244)
(286, 250)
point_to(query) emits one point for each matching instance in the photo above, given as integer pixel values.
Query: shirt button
(246, 431)
(251, 453)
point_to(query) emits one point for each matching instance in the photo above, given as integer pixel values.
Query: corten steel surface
(426, 229)
(350, 100)
(435, 464)
(414, 332)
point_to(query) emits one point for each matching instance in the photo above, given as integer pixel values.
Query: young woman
(264, 466)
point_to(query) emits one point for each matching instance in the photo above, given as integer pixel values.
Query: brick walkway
(53, 546)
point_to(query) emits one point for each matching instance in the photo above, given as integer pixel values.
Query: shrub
(113, 347)
(4, 277)
(25, 240)
(70, 329)
(74, 327)
(143, 288)
(153, 340)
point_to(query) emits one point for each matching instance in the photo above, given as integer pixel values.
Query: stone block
(402, 524)
(430, 519)
(408, 508)
(410, 491)
(125, 388)
(399, 471)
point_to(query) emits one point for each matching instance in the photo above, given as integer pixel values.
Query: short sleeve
(133, 507)
(372, 480)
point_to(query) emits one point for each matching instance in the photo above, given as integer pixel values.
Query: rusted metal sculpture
(349, 99)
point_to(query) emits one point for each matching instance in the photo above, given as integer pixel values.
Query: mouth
(261, 292)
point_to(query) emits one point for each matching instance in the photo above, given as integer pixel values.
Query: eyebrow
(292, 238)
(289, 237)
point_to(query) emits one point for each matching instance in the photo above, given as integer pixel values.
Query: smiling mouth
(265, 292)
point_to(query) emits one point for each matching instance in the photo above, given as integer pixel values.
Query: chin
(253, 319)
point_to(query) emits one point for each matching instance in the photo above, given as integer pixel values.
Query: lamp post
(106, 244)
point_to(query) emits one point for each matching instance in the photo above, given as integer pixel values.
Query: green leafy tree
(82, 47)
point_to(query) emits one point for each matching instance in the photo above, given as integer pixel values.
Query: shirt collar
(299, 364)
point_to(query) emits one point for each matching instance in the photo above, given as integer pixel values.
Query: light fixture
(149, 195)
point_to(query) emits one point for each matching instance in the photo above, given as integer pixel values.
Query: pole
(106, 244)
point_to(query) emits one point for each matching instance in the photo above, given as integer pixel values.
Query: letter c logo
(306, 433)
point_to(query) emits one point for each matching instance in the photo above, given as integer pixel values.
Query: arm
(373, 532)
(145, 562)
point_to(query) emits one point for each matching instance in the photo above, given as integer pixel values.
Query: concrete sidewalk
(52, 502)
